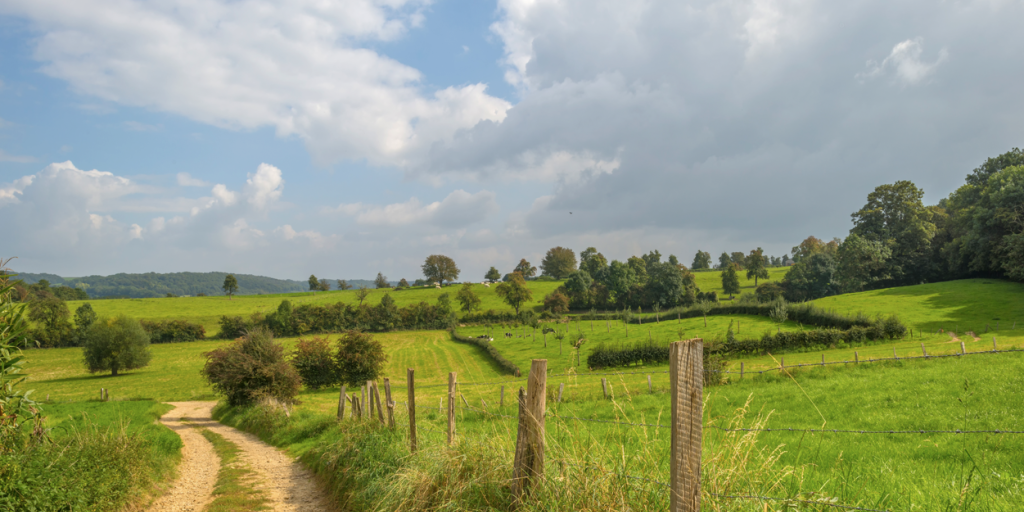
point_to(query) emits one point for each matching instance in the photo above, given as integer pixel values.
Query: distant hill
(179, 283)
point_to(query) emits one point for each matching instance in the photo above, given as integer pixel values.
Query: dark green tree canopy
(525, 268)
(701, 261)
(895, 216)
(230, 285)
(756, 265)
(514, 291)
(381, 281)
(470, 302)
(439, 268)
(730, 280)
(724, 261)
(314, 283)
(492, 275)
(116, 344)
(558, 262)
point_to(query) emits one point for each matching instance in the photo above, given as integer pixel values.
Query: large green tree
(730, 280)
(525, 268)
(470, 302)
(861, 263)
(559, 262)
(314, 283)
(492, 275)
(812, 278)
(439, 268)
(701, 261)
(724, 260)
(895, 216)
(116, 344)
(514, 292)
(593, 262)
(756, 265)
(381, 281)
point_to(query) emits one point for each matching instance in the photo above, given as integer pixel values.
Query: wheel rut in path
(289, 486)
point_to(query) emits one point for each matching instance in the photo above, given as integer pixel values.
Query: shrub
(232, 327)
(360, 358)
(769, 292)
(315, 364)
(893, 328)
(485, 344)
(116, 344)
(250, 369)
(556, 302)
(171, 331)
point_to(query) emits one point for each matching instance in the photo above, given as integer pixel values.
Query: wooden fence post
(994, 347)
(376, 399)
(823, 359)
(962, 349)
(369, 399)
(528, 465)
(341, 403)
(686, 372)
(924, 352)
(451, 407)
(741, 370)
(650, 387)
(390, 402)
(410, 378)
(501, 403)
(604, 387)
(561, 387)
(856, 358)
(362, 400)
(101, 394)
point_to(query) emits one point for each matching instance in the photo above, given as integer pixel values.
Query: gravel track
(289, 485)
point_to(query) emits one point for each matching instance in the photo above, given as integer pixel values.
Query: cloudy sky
(344, 138)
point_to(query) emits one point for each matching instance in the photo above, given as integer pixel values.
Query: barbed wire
(841, 431)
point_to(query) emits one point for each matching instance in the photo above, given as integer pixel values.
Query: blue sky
(289, 138)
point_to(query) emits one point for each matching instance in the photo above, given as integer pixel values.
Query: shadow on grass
(968, 304)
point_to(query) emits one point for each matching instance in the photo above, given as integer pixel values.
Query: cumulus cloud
(457, 210)
(264, 187)
(301, 67)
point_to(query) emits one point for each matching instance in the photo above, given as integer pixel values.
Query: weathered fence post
(894, 356)
(823, 359)
(451, 407)
(650, 387)
(362, 400)
(376, 398)
(390, 402)
(369, 399)
(528, 465)
(924, 352)
(856, 358)
(604, 387)
(101, 394)
(410, 378)
(501, 403)
(341, 403)
(994, 347)
(464, 399)
(561, 387)
(962, 349)
(686, 374)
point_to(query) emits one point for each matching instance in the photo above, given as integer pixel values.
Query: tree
(360, 358)
(525, 268)
(737, 258)
(492, 275)
(230, 285)
(621, 278)
(514, 292)
(252, 368)
(84, 318)
(594, 263)
(701, 261)
(314, 283)
(362, 293)
(730, 280)
(52, 316)
(651, 258)
(444, 309)
(861, 263)
(315, 363)
(343, 285)
(381, 281)
(757, 265)
(812, 278)
(558, 262)
(577, 288)
(724, 261)
(403, 283)
(440, 268)
(116, 344)
(556, 302)
(324, 285)
(666, 285)
(809, 247)
(895, 216)
(470, 302)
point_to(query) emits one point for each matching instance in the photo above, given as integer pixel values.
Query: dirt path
(290, 486)
(197, 474)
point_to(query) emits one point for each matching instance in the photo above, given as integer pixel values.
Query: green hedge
(172, 331)
(803, 313)
(485, 344)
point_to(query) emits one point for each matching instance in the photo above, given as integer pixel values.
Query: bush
(172, 331)
(116, 344)
(893, 328)
(315, 364)
(252, 368)
(485, 344)
(769, 292)
(232, 327)
(360, 358)
(556, 302)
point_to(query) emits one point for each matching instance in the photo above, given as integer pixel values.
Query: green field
(208, 310)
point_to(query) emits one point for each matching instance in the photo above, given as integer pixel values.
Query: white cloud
(7, 157)
(265, 186)
(186, 180)
(905, 62)
(135, 231)
(300, 66)
(459, 209)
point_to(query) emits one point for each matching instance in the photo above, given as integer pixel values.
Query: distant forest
(180, 283)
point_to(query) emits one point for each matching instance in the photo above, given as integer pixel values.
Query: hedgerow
(485, 344)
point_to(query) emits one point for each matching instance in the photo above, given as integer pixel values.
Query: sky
(288, 138)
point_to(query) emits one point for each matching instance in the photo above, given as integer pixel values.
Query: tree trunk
(113, 371)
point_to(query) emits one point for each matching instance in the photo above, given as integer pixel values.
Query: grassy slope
(207, 310)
